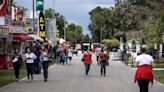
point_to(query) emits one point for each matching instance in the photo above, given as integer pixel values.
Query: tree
(111, 42)
(74, 33)
(86, 38)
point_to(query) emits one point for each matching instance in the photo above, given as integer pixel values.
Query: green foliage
(102, 19)
(86, 38)
(111, 42)
(74, 33)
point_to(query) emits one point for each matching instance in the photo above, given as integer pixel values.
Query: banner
(2, 7)
(14, 13)
(42, 33)
(39, 5)
(9, 7)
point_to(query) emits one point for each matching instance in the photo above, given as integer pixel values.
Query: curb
(159, 83)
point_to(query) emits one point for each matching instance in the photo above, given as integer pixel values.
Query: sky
(75, 11)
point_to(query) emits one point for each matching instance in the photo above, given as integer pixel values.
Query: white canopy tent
(35, 37)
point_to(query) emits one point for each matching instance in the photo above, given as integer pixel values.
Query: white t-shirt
(69, 51)
(45, 56)
(98, 51)
(30, 57)
(144, 59)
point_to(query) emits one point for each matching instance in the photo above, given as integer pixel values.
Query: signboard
(4, 32)
(17, 29)
(2, 20)
(42, 33)
(30, 30)
(39, 5)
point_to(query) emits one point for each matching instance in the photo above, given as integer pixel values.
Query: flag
(9, 7)
(24, 18)
(14, 13)
(39, 5)
(2, 7)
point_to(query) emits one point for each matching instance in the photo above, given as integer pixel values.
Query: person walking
(17, 61)
(97, 52)
(103, 62)
(45, 63)
(37, 69)
(30, 57)
(62, 54)
(144, 70)
(87, 58)
(69, 54)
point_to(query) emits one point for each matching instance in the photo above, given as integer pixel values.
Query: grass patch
(158, 65)
(7, 76)
(159, 76)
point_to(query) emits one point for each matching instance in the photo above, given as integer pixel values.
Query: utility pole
(54, 17)
(65, 30)
(33, 9)
(101, 33)
(75, 35)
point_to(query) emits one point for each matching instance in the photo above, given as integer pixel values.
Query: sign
(4, 32)
(2, 20)
(42, 33)
(2, 7)
(30, 30)
(39, 5)
(17, 29)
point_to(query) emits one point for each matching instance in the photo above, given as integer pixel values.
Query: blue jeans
(103, 66)
(87, 68)
(45, 65)
(30, 69)
(62, 59)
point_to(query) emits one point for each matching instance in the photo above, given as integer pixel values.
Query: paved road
(71, 78)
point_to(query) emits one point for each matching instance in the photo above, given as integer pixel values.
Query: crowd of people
(40, 54)
(43, 54)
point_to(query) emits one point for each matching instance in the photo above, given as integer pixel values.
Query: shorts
(70, 58)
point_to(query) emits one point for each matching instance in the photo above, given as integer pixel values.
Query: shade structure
(35, 37)
(23, 37)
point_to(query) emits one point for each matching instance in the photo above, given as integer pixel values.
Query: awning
(23, 37)
(35, 37)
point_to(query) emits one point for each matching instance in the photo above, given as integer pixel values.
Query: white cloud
(75, 11)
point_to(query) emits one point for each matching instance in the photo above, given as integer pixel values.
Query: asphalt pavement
(71, 78)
